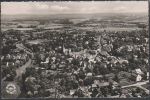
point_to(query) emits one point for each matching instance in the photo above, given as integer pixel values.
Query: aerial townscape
(99, 55)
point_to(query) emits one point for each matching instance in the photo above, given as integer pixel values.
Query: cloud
(42, 6)
(120, 8)
(59, 8)
(73, 7)
(15, 8)
(89, 9)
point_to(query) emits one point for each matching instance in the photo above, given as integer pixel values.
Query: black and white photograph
(74, 49)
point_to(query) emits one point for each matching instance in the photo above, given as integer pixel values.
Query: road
(146, 90)
(22, 69)
(136, 84)
(139, 84)
(22, 47)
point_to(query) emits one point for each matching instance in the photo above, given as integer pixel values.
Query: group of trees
(30, 26)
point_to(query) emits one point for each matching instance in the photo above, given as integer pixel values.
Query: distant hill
(74, 16)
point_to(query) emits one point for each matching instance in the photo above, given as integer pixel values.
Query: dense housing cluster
(63, 62)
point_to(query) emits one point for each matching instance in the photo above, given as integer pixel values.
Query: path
(22, 69)
(139, 84)
(136, 84)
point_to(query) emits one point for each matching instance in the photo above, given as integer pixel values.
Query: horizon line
(80, 13)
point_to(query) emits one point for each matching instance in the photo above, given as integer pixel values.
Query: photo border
(146, 98)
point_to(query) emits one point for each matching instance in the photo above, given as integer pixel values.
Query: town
(67, 59)
(75, 56)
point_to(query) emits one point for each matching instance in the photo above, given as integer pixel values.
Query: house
(107, 48)
(110, 76)
(7, 64)
(18, 56)
(98, 77)
(2, 57)
(138, 78)
(46, 61)
(121, 61)
(89, 74)
(138, 71)
(104, 53)
(124, 77)
(147, 75)
(30, 79)
(103, 84)
(23, 57)
(72, 91)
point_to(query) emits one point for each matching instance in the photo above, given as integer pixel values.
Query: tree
(11, 75)
(104, 91)
(141, 26)
(19, 26)
(116, 78)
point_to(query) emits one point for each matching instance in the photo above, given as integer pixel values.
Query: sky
(64, 7)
